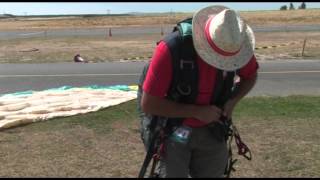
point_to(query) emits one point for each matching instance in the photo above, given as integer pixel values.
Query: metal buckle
(184, 93)
(184, 62)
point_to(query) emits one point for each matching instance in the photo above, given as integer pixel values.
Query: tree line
(291, 6)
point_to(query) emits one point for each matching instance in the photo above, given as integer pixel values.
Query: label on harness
(181, 134)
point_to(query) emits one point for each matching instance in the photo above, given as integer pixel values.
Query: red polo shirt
(159, 76)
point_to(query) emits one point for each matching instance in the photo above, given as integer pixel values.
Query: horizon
(104, 8)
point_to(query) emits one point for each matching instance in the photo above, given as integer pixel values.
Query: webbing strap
(184, 85)
(218, 85)
(223, 88)
(242, 147)
(149, 156)
(231, 161)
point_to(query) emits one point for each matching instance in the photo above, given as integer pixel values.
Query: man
(222, 41)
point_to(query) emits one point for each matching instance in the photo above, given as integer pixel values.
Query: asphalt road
(276, 78)
(18, 34)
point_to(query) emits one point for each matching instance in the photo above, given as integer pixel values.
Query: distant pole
(304, 45)
(162, 31)
(108, 33)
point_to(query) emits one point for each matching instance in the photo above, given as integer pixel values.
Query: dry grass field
(90, 22)
(115, 48)
(100, 49)
(289, 17)
(254, 18)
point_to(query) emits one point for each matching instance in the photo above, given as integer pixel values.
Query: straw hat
(221, 38)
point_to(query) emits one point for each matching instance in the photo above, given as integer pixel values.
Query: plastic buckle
(184, 91)
(184, 63)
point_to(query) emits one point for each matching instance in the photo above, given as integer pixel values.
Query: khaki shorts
(201, 156)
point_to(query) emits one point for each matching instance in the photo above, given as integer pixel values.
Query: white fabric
(40, 106)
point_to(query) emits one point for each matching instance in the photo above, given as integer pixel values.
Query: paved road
(276, 78)
(7, 35)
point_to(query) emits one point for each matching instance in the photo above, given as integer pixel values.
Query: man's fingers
(216, 109)
(225, 114)
(217, 117)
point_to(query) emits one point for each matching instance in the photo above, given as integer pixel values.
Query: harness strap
(149, 156)
(242, 148)
(225, 89)
(159, 152)
(184, 85)
(231, 161)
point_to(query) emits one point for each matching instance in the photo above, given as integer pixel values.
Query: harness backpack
(184, 83)
(183, 89)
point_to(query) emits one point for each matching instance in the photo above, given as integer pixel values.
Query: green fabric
(186, 27)
(64, 88)
(18, 94)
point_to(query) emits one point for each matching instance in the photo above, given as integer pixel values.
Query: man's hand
(208, 113)
(228, 108)
(244, 86)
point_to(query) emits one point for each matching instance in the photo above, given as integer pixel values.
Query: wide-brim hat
(214, 32)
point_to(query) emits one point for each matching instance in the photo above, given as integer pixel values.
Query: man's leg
(175, 162)
(209, 156)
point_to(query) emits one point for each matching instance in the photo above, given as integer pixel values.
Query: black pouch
(220, 131)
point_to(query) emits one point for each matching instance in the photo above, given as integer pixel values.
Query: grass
(280, 131)
(283, 136)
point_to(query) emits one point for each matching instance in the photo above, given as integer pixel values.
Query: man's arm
(244, 87)
(164, 107)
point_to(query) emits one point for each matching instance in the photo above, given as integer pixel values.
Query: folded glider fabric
(33, 106)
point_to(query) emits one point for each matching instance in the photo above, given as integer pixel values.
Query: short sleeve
(250, 69)
(159, 75)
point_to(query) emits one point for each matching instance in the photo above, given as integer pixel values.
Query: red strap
(242, 148)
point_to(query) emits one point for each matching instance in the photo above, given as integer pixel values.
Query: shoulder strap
(224, 87)
(184, 86)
